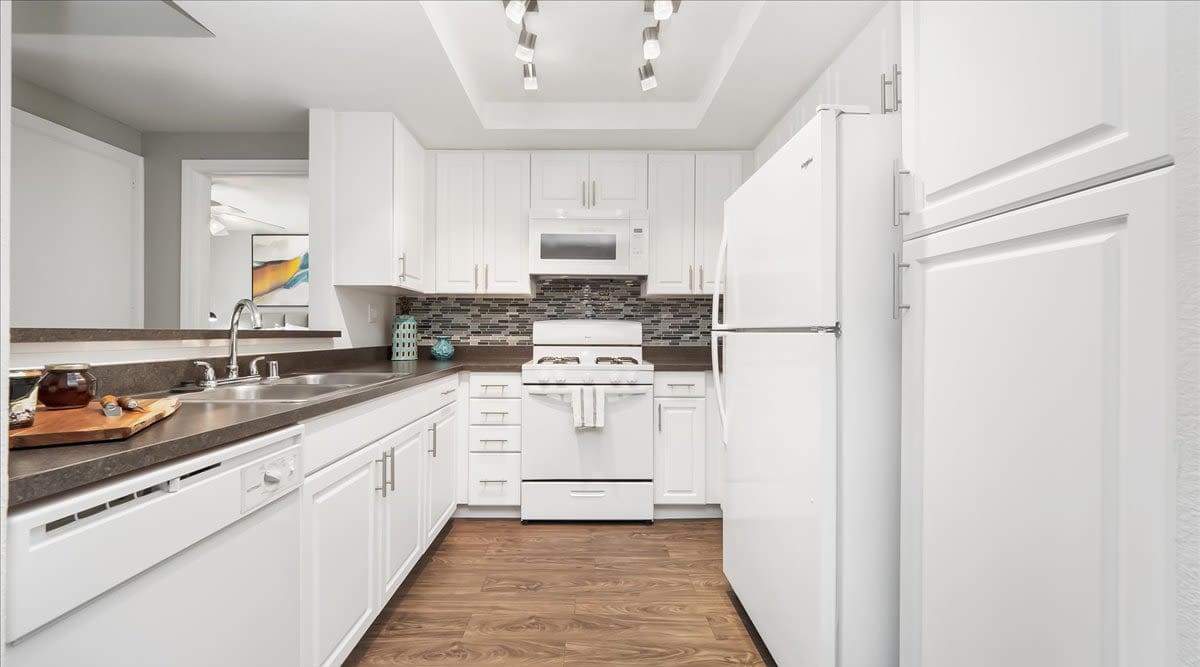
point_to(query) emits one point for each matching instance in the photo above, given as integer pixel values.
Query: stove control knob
(587, 378)
(630, 379)
(560, 379)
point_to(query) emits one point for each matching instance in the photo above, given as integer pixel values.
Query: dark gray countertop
(45, 471)
(46, 335)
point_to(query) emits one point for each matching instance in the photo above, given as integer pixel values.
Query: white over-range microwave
(589, 243)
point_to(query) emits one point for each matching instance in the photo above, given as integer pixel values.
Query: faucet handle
(254, 365)
(272, 370)
(209, 376)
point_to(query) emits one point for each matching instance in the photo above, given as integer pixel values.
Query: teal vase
(442, 349)
(404, 338)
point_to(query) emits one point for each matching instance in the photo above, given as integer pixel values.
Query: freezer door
(780, 507)
(781, 236)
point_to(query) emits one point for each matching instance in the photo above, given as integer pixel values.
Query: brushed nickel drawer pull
(681, 384)
(449, 391)
(493, 481)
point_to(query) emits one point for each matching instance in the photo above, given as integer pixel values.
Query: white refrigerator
(809, 394)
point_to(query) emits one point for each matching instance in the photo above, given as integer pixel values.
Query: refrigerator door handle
(717, 277)
(716, 367)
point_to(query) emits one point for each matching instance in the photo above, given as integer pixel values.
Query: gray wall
(73, 115)
(164, 153)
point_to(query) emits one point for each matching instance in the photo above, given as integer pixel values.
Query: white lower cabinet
(370, 516)
(495, 479)
(401, 534)
(679, 451)
(340, 550)
(442, 432)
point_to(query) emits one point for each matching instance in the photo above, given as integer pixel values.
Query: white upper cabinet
(717, 176)
(1006, 104)
(559, 180)
(379, 203)
(458, 210)
(672, 224)
(505, 223)
(1037, 436)
(577, 179)
(618, 180)
(409, 210)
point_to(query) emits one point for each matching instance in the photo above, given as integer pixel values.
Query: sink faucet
(231, 368)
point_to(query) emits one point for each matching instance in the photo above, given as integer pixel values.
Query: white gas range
(587, 423)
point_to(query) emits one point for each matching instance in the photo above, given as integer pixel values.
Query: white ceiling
(728, 70)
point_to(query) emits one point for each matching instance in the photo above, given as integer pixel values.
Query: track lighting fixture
(526, 43)
(515, 10)
(651, 48)
(529, 74)
(646, 75)
(662, 9)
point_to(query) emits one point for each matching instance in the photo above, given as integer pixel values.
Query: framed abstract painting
(279, 269)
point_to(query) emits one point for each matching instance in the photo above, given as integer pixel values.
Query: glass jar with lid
(67, 386)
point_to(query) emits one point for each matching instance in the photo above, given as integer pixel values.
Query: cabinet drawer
(495, 439)
(495, 411)
(444, 392)
(495, 479)
(609, 501)
(679, 384)
(495, 385)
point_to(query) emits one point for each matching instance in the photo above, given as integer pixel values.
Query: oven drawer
(495, 411)
(679, 383)
(495, 385)
(495, 439)
(612, 501)
(495, 479)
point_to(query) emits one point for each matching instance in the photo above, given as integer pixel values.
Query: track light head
(646, 75)
(526, 43)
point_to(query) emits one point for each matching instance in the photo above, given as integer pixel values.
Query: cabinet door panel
(558, 180)
(506, 223)
(459, 213)
(441, 436)
(409, 210)
(717, 176)
(1036, 445)
(340, 552)
(672, 224)
(618, 180)
(363, 205)
(679, 451)
(1008, 103)
(400, 517)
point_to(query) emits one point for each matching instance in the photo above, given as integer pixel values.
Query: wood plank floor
(495, 592)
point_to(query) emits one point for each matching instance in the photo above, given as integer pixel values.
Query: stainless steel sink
(296, 389)
(339, 379)
(272, 393)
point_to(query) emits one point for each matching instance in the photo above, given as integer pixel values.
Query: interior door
(442, 433)
(506, 223)
(340, 546)
(718, 175)
(559, 179)
(400, 515)
(672, 224)
(1037, 478)
(459, 214)
(781, 235)
(618, 180)
(1006, 103)
(780, 503)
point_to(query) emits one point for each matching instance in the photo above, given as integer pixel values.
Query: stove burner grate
(617, 361)
(558, 360)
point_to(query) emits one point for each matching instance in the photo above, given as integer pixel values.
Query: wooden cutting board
(68, 427)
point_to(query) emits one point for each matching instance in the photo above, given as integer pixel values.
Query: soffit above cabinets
(727, 72)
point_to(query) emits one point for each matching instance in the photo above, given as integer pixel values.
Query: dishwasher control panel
(269, 478)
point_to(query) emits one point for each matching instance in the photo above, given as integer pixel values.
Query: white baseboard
(660, 512)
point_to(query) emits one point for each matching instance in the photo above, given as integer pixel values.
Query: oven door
(573, 432)
(579, 247)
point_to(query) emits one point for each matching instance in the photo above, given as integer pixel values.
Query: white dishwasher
(195, 562)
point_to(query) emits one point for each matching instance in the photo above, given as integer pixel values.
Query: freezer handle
(716, 304)
(716, 367)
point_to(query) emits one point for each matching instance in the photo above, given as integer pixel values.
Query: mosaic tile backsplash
(488, 320)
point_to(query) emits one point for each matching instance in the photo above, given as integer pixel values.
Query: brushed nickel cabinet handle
(392, 458)
(660, 417)
(403, 265)
(485, 277)
(476, 277)
(583, 195)
(493, 481)
(593, 193)
(701, 277)
(449, 391)
(691, 279)
(433, 430)
(383, 485)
